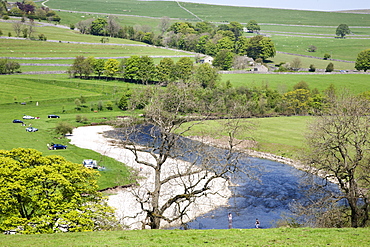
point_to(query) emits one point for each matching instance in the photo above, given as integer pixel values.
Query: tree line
(223, 42)
(204, 86)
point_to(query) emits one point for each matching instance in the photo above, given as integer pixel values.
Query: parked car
(53, 116)
(31, 129)
(57, 146)
(28, 117)
(17, 121)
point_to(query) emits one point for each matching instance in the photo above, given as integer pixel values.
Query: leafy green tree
(64, 128)
(210, 48)
(8, 66)
(363, 60)
(111, 67)
(206, 75)
(225, 44)
(260, 47)
(241, 46)
(124, 101)
(204, 27)
(184, 69)
(297, 102)
(223, 59)
(201, 45)
(236, 28)
(77, 67)
(165, 70)
(226, 33)
(146, 70)
(330, 67)
(131, 67)
(46, 194)
(342, 30)
(253, 26)
(99, 66)
(98, 26)
(182, 27)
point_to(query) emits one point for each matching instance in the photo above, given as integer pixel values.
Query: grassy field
(212, 12)
(307, 61)
(317, 30)
(343, 237)
(344, 49)
(356, 83)
(284, 136)
(55, 94)
(29, 48)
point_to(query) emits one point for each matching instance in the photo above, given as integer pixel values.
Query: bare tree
(177, 186)
(17, 27)
(164, 24)
(113, 26)
(84, 26)
(31, 28)
(241, 62)
(296, 64)
(339, 147)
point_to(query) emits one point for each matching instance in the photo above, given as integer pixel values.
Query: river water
(266, 195)
(266, 199)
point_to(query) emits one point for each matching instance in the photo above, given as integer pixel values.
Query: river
(266, 195)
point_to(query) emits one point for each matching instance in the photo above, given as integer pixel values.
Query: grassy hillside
(355, 83)
(343, 237)
(213, 13)
(55, 94)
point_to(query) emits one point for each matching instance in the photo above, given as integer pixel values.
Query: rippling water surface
(265, 198)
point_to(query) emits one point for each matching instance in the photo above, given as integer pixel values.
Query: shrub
(64, 128)
(42, 37)
(326, 56)
(312, 48)
(312, 68)
(330, 67)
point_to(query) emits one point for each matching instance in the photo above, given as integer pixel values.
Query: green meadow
(355, 83)
(211, 13)
(279, 237)
(307, 61)
(344, 49)
(55, 94)
(30, 48)
(42, 95)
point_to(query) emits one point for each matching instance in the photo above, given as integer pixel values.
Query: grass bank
(344, 237)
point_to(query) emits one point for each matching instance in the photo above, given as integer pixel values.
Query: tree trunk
(155, 220)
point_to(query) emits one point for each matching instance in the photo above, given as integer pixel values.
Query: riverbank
(124, 201)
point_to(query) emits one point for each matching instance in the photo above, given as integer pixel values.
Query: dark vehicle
(17, 121)
(31, 129)
(53, 116)
(57, 146)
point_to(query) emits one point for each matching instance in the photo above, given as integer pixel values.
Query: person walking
(257, 223)
(230, 218)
